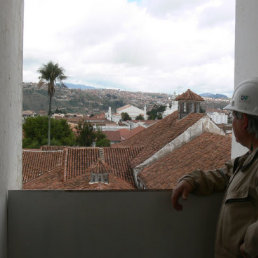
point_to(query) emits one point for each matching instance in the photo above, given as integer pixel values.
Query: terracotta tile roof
(79, 160)
(113, 136)
(74, 120)
(150, 122)
(207, 151)
(100, 167)
(126, 133)
(52, 148)
(158, 135)
(136, 130)
(42, 113)
(122, 108)
(51, 181)
(37, 163)
(115, 183)
(189, 95)
(70, 167)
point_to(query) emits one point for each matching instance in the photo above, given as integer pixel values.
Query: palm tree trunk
(49, 119)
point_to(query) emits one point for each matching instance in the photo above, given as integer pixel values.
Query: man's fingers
(185, 194)
(182, 190)
(175, 197)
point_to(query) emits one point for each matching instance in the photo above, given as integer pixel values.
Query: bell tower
(188, 102)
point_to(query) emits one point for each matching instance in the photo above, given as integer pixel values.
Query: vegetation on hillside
(91, 101)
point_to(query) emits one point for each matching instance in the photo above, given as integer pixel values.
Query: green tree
(156, 112)
(103, 143)
(101, 139)
(139, 117)
(36, 132)
(125, 116)
(86, 134)
(50, 73)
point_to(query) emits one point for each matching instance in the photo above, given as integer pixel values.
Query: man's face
(239, 128)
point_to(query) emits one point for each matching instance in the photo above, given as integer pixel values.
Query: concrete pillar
(11, 34)
(246, 49)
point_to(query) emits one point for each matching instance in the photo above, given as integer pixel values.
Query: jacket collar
(248, 159)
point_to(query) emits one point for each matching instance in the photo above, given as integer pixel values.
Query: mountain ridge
(213, 96)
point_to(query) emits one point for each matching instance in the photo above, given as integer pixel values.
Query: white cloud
(163, 8)
(218, 13)
(157, 46)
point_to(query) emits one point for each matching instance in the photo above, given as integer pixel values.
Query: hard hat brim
(229, 107)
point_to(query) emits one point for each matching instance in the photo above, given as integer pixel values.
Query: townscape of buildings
(143, 155)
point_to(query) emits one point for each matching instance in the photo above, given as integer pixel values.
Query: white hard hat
(245, 98)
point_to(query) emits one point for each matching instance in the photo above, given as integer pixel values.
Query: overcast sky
(145, 45)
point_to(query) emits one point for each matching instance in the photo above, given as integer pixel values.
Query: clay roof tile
(153, 138)
(207, 151)
(189, 95)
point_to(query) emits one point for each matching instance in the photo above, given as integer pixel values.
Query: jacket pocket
(237, 213)
(242, 195)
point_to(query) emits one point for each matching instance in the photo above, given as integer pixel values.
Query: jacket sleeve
(207, 182)
(251, 240)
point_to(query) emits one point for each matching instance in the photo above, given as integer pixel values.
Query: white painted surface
(218, 118)
(132, 111)
(170, 110)
(11, 31)
(246, 49)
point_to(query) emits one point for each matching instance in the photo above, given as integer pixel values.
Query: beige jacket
(238, 220)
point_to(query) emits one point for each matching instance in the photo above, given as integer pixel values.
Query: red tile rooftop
(100, 167)
(98, 116)
(113, 136)
(189, 95)
(122, 108)
(52, 181)
(206, 152)
(37, 163)
(55, 169)
(126, 133)
(80, 159)
(158, 135)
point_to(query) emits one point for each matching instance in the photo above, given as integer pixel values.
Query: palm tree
(49, 74)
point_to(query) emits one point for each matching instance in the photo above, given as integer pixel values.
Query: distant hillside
(214, 96)
(77, 86)
(87, 101)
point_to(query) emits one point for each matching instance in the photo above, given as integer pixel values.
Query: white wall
(132, 111)
(246, 49)
(135, 225)
(11, 31)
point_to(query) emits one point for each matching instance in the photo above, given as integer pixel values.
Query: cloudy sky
(137, 45)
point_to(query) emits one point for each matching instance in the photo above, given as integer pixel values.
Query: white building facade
(218, 118)
(170, 109)
(131, 110)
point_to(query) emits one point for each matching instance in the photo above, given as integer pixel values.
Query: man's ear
(245, 121)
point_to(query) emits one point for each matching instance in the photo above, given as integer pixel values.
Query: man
(237, 229)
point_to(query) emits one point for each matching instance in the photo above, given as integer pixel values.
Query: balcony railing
(79, 224)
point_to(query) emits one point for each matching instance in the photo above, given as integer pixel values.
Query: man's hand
(182, 190)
